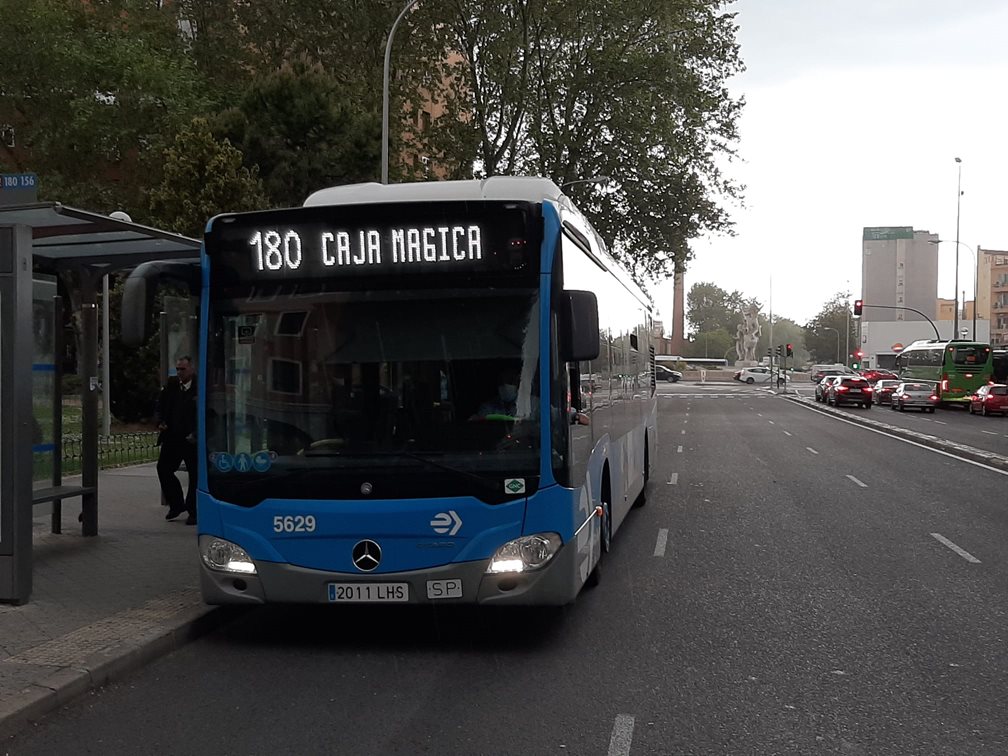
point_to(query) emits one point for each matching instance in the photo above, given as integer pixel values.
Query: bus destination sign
(368, 240)
(285, 249)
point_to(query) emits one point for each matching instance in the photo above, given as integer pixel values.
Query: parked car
(883, 391)
(663, 373)
(753, 375)
(874, 375)
(822, 387)
(850, 389)
(917, 394)
(989, 400)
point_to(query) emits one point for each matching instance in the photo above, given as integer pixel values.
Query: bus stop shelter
(47, 238)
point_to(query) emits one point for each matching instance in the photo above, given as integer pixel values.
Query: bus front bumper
(555, 584)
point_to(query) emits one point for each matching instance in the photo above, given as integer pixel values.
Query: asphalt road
(792, 586)
(952, 423)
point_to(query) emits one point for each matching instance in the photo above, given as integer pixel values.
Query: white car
(760, 375)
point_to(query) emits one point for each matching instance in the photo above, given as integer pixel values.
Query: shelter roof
(67, 238)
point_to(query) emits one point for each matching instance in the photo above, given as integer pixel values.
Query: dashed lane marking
(659, 549)
(855, 480)
(961, 552)
(786, 433)
(771, 422)
(907, 441)
(622, 736)
(811, 449)
(673, 479)
(679, 450)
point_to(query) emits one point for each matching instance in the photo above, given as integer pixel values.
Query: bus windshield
(973, 354)
(430, 391)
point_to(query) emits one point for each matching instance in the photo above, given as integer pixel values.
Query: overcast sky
(856, 111)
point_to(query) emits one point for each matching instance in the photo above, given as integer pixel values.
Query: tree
(303, 132)
(709, 307)
(202, 177)
(92, 88)
(824, 344)
(633, 89)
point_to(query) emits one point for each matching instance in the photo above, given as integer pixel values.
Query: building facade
(993, 281)
(899, 268)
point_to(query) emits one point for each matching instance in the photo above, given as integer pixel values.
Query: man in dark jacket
(177, 423)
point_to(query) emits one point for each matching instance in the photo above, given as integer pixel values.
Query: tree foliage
(301, 129)
(91, 88)
(709, 308)
(823, 343)
(212, 171)
(629, 89)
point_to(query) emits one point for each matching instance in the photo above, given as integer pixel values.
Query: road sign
(18, 188)
(897, 347)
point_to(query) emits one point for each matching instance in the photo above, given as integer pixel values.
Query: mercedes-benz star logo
(366, 555)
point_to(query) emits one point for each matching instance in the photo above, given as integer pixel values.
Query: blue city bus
(392, 397)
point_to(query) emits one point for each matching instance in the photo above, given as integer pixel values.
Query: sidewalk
(100, 606)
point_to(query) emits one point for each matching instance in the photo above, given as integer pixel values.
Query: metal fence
(113, 451)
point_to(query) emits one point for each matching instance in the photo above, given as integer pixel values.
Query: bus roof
(516, 188)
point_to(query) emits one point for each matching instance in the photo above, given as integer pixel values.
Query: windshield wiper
(483, 480)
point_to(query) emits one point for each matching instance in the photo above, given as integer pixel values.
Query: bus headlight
(224, 556)
(525, 554)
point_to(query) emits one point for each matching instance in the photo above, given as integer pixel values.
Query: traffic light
(858, 306)
(790, 350)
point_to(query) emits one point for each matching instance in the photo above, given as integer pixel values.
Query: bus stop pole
(89, 404)
(16, 341)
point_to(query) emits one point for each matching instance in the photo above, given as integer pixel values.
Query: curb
(56, 686)
(932, 442)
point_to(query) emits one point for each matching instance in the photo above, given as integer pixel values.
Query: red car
(990, 399)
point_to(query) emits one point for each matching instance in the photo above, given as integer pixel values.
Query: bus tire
(605, 534)
(642, 499)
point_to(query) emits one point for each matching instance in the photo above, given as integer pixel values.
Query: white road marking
(990, 433)
(941, 422)
(786, 433)
(771, 422)
(622, 736)
(659, 549)
(811, 449)
(759, 414)
(863, 485)
(684, 431)
(961, 552)
(685, 420)
(679, 450)
(673, 479)
(907, 441)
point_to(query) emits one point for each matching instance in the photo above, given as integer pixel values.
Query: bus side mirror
(139, 291)
(579, 328)
(136, 303)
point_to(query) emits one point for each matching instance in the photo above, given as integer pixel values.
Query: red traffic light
(859, 354)
(858, 306)
(790, 349)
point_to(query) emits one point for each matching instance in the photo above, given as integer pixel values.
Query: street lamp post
(827, 328)
(385, 92)
(955, 317)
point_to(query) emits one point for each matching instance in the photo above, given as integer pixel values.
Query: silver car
(919, 394)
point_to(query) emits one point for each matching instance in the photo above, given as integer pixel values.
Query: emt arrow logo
(446, 523)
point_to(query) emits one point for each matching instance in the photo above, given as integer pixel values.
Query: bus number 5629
(294, 524)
